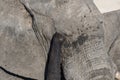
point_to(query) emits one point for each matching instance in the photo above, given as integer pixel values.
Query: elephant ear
(115, 52)
(20, 52)
(112, 31)
(112, 37)
(111, 28)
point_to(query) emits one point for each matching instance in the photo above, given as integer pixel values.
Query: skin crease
(16, 75)
(53, 66)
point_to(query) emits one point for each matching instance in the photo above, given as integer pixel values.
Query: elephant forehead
(68, 15)
(74, 28)
(61, 8)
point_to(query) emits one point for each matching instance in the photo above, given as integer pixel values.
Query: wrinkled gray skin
(112, 33)
(90, 38)
(112, 36)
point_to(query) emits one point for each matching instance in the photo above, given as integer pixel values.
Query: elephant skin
(28, 29)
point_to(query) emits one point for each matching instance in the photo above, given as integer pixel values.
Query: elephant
(68, 36)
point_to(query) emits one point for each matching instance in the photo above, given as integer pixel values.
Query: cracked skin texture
(71, 20)
(19, 49)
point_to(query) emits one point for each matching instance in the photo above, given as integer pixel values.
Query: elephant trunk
(53, 66)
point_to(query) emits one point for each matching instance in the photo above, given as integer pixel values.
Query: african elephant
(83, 36)
(83, 52)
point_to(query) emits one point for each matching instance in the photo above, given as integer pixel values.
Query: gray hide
(27, 27)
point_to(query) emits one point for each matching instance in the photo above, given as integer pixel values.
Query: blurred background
(107, 5)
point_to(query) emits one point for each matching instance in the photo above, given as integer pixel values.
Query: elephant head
(83, 53)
